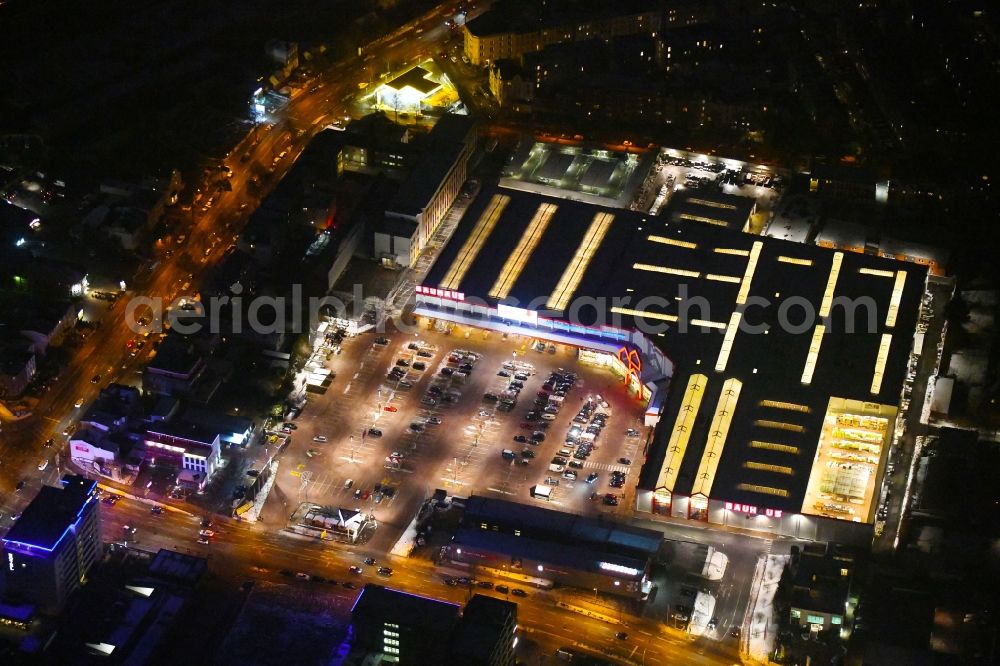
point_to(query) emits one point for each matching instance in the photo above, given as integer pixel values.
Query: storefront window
(661, 502)
(699, 508)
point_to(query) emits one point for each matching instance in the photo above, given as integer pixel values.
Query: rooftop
(486, 621)
(175, 355)
(577, 555)
(166, 431)
(712, 207)
(415, 78)
(822, 583)
(718, 303)
(445, 142)
(53, 511)
(178, 567)
(412, 610)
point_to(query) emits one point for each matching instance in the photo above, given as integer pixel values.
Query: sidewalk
(760, 626)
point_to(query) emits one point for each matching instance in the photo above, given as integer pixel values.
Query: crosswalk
(607, 467)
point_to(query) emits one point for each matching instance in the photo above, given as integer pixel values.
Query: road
(242, 551)
(259, 550)
(103, 355)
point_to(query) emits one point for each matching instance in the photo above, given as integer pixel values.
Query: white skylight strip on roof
(701, 218)
(672, 241)
(727, 341)
(723, 278)
(831, 284)
(474, 243)
(666, 269)
(518, 258)
(718, 432)
(681, 432)
(876, 272)
(708, 324)
(795, 260)
(574, 272)
(897, 295)
(644, 313)
(880, 361)
(741, 297)
(813, 355)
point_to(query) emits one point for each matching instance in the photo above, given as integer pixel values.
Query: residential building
(511, 29)
(511, 85)
(51, 548)
(115, 405)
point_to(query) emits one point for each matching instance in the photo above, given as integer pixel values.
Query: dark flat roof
(709, 206)
(819, 585)
(175, 355)
(486, 621)
(645, 264)
(412, 610)
(583, 557)
(445, 143)
(50, 514)
(565, 528)
(415, 78)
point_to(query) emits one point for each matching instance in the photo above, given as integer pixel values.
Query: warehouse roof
(776, 328)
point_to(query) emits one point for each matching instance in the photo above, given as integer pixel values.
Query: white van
(348, 484)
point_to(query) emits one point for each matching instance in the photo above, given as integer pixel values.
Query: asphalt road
(104, 352)
(243, 550)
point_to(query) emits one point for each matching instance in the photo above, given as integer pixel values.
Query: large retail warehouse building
(775, 368)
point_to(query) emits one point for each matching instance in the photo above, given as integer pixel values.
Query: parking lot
(406, 414)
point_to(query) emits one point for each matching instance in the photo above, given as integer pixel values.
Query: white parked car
(42, 464)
